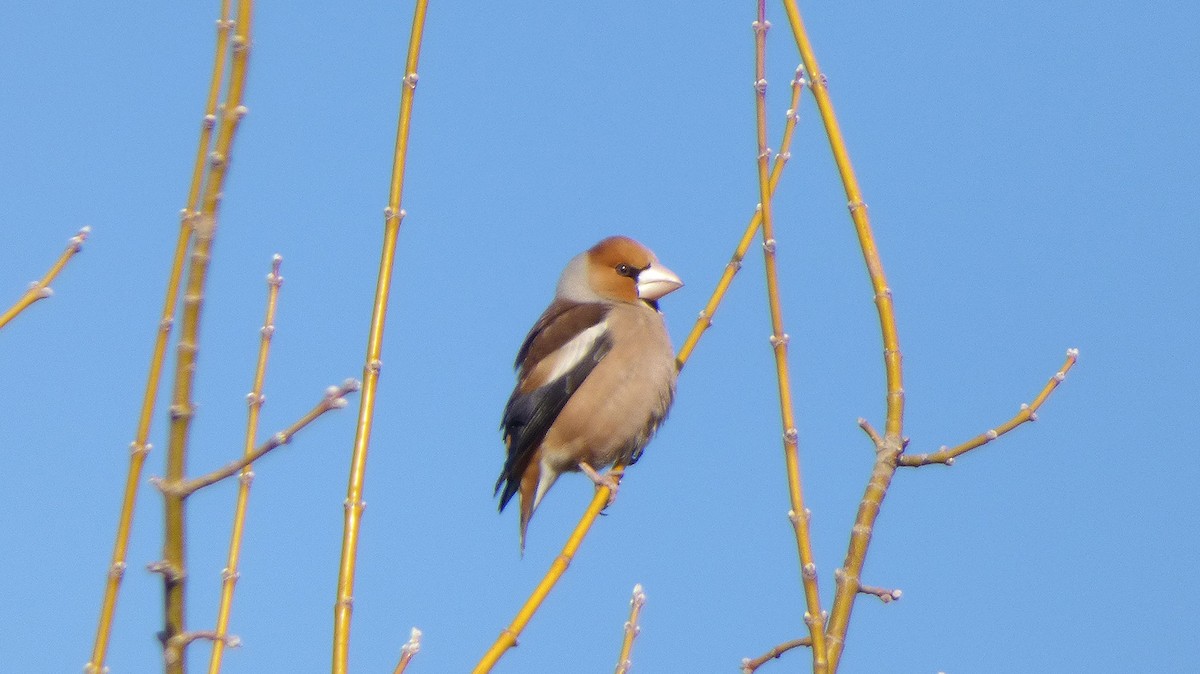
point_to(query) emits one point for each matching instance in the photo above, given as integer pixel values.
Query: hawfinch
(595, 375)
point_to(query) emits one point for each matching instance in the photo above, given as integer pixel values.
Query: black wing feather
(528, 417)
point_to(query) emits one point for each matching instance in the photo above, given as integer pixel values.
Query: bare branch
(254, 400)
(393, 216)
(885, 595)
(830, 648)
(876, 438)
(334, 399)
(779, 341)
(750, 666)
(631, 629)
(946, 455)
(40, 289)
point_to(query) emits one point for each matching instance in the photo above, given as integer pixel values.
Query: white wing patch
(568, 355)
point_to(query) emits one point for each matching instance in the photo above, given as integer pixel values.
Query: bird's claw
(606, 480)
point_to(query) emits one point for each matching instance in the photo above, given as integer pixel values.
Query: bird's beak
(655, 281)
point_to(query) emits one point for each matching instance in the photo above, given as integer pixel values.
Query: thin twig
(393, 215)
(893, 442)
(173, 650)
(508, 637)
(947, 455)
(40, 289)
(333, 399)
(632, 630)
(750, 666)
(798, 514)
(408, 650)
(255, 400)
(885, 595)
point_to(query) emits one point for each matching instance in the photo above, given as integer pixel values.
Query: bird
(595, 375)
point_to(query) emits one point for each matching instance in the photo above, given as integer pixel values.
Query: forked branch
(255, 400)
(891, 444)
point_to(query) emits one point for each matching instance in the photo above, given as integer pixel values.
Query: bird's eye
(626, 270)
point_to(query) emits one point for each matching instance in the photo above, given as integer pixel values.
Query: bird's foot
(607, 480)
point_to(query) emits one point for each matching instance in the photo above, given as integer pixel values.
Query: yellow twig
(631, 630)
(140, 447)
(750, 666)
(40, 289)
(876, 438)
(704, 321)
(393, 215)
(946, 455)
(508, 638)
(182, 406)
(893, 443)
(229, 575)
(813, 617)
(408, 650)
(862, 226)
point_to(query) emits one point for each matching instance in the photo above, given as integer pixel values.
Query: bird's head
(618, 269)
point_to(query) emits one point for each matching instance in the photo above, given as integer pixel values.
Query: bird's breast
(618, 407)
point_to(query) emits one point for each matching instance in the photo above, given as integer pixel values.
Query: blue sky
(1031, 173)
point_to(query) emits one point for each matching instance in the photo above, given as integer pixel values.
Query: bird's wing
(560, 351)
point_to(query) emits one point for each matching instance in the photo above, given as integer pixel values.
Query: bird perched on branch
(595, 375)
